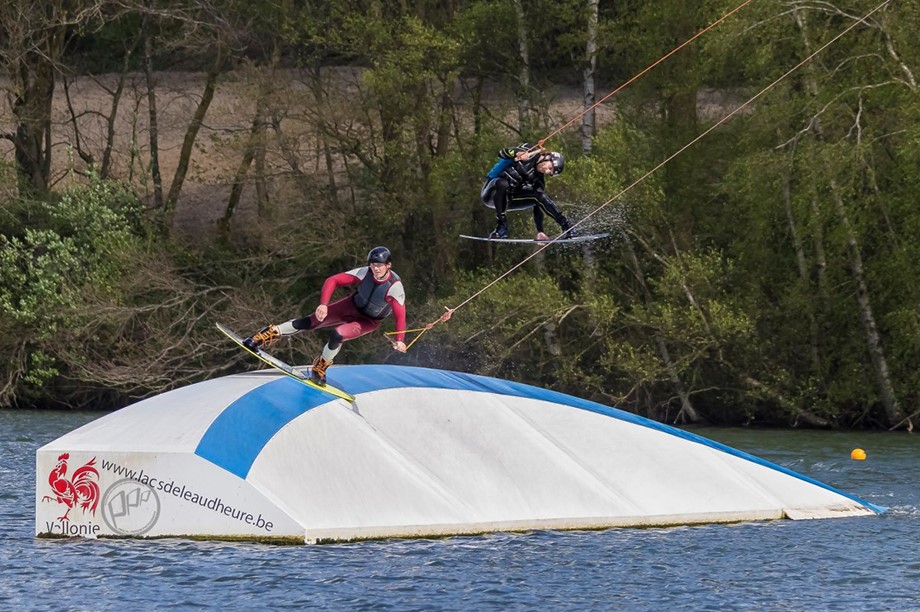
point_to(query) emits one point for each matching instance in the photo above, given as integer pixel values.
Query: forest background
(165, 164)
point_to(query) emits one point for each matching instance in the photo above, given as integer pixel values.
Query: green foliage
(557, 38)
(732, 269)
(526, 328)
(486, 33)
(89, 232)
(35, 277)
(88, 237)
(507, 333)
(621, 155)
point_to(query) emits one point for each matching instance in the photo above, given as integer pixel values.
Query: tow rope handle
(421, 330)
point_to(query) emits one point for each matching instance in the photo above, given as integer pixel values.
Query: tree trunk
(523, 93)
(236, 191)
(802, 261)
(86, 156)
(32, 110)
(33, 37)
(33, 75)
(445, 114)
(687, 411)
(320, 96)
(154, 135)
(105, 166)
(110, 129)
(873, 338)
(477, 106)
(110, 120)
(681, 122)
(262, 194)
(801, 415)
(588, 119)
(185, 153)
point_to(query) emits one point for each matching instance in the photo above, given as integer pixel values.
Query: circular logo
(130, 507)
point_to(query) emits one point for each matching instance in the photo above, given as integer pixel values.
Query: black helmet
(379, 254)
(558, 162)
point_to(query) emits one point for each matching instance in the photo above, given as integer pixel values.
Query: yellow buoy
(858, 454)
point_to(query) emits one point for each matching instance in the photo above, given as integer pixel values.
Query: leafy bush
(84, 242)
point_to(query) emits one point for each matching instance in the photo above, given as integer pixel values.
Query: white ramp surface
(420, 452)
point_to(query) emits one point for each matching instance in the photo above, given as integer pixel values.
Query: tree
(81, 243)
(33, 41)
(589, 118)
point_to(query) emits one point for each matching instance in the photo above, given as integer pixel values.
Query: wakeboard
(285, 368)
(585, 238)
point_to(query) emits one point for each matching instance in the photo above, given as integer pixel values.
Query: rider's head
(379, 255)
(551, 162)
(378, 260)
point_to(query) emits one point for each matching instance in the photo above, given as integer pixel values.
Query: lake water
(868, 563)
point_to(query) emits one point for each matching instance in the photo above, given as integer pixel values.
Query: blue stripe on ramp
(238, 435)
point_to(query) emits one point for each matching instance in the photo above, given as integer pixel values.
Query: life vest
(370, 298)
(523, 173)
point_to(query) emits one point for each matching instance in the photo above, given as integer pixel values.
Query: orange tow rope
(421, 330)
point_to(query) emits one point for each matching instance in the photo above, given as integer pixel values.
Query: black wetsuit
(517, 185)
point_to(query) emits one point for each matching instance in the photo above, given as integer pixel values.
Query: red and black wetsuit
(362, 312)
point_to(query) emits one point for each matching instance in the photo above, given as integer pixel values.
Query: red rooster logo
(81, 489)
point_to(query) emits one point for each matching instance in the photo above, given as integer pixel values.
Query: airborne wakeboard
(285, 368)
(586, 238)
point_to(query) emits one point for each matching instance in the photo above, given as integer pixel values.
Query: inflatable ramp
(420, 452)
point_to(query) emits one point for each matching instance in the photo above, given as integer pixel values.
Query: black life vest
(370, 298)
(523, 172)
